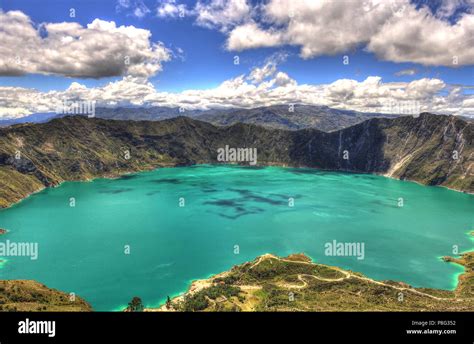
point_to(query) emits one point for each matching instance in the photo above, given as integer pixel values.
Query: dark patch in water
(266, 200)
(237, 206)
(151, 193)
(204, 186)
(230, 217)
(286, 196)
(240, 212)
(114, 191)
(224, 203)
(250, 196)
(209, 190)
(128, 177)
(166, 181)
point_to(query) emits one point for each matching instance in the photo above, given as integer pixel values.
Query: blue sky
(206, 63)
(200, 57)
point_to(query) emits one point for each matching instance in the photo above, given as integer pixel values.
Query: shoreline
(85, 180)
(269, 164)
(199, 284)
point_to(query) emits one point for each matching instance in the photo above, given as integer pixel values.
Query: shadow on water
(114, 191)
(248, 195)
(239, 206)
(128, 176)
(151, 193)
(166, 181)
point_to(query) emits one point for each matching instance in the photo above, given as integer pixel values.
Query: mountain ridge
(289, 117)
(34, 156)
(295, 117)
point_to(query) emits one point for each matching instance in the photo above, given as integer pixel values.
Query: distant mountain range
(430, 149)
(284, 117)
(277, 116)
(33, 118)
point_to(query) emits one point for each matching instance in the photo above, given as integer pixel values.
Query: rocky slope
(430, 149)
(294, 283)
(31, 296)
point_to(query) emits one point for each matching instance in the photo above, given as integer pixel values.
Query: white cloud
(136, 8)
(448, 8)
(170, 8)
(250, 36)
(222, 14)
(257, 88)
(282, 79)
(420, 37)
(395, 30)
(101, 49)
(259, 74)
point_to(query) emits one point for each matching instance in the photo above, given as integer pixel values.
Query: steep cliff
(430, 149)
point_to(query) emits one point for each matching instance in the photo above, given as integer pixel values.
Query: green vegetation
(168, 302)
(31, 296)
(136, 305)
(204, 298)
(270, 283)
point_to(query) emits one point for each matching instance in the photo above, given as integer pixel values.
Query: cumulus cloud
(171, 9)
(395, 30)
(262, 86)
(136, 8)
(222, 14)
(101, 49)
(250, 36)
(448, 8)
(420, 37)
(259, 74)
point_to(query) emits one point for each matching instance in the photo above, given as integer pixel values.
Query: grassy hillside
(31, 296)
(294, 283)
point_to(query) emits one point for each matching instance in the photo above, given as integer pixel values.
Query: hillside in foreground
(31, 296)
(294, 283)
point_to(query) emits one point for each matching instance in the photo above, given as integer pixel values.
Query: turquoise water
(81, 248)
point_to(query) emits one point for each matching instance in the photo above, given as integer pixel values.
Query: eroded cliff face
(430, 149)
(433, 150)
